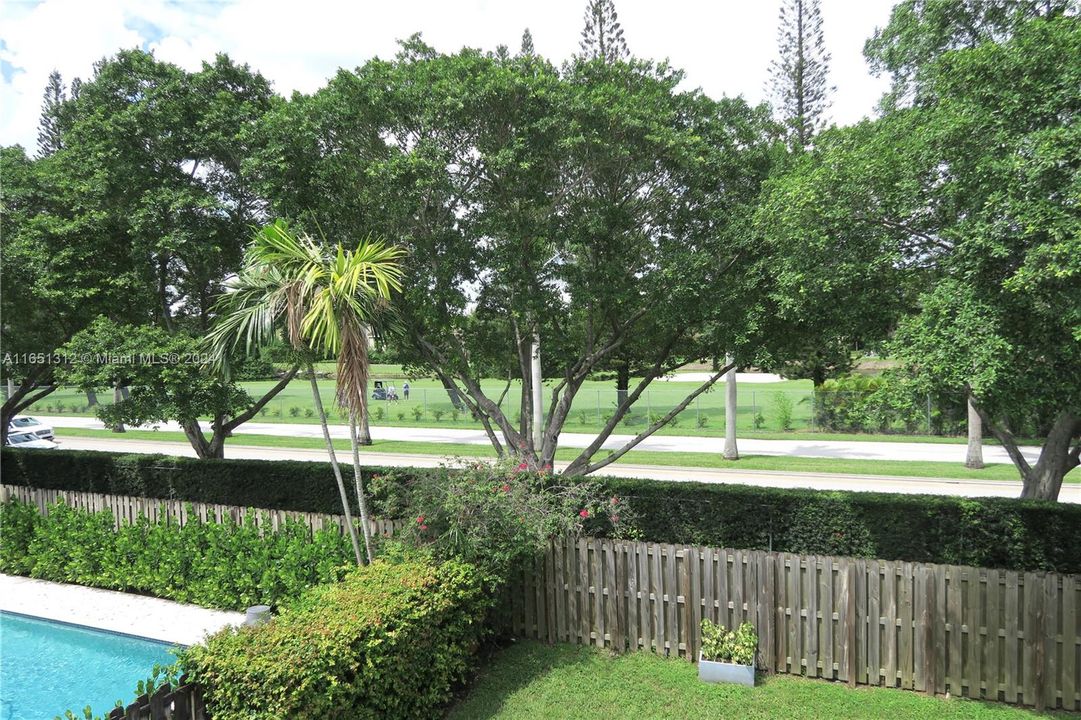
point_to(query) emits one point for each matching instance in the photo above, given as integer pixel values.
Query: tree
(602, 35)
(963, 210)
(169, 380)
(137, 216)
(582, 206)
(320, 299)
(921, 31)
(527, 43)
(49, 140)
(800, 75)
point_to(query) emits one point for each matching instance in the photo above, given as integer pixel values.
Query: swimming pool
(49, 667)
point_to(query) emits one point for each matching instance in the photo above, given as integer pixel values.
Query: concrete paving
(119, 612)
(850, 449)
(822, 481)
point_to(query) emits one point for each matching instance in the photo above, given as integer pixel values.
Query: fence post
(698, 411)
(598, 405)
(754, 410)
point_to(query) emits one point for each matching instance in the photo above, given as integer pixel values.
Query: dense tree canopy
(971, 198)
(592, 206)
(138, 212)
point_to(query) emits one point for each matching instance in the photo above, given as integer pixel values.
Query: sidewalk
(849, 450)
(763, 478)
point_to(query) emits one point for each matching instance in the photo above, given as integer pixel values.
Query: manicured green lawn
(530, 680)
(901, 468)
(429, 406)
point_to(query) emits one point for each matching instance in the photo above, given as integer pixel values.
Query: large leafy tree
(583, 206)
(139, 214)
(921, 31)
(971, 197)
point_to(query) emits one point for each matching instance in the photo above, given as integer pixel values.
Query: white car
(27, 424)
(29, 440)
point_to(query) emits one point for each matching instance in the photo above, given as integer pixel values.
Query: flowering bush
(723, 645)
(493, 515)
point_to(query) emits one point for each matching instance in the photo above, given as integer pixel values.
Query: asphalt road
(821, 481)
(850, 450)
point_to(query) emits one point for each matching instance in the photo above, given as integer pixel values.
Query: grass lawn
(901, 468)
(429, 406)
(531, 680)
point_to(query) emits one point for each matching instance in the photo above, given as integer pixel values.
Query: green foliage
(730, 646)
(388, 641)
(438, 414)
(418, 413)
(989, 532)
(783, 405)
(493, 516)
(294, 411)
(223, 565)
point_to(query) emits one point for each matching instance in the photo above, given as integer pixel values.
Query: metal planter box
(715, 672)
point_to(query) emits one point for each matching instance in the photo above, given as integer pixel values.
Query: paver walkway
(119, 612)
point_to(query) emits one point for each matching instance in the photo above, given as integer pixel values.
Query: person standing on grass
(405, 389)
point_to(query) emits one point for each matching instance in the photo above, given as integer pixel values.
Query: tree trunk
(26, 394)
(334, 465)
(118, 397)
(91, 398)
(212, 450)
(1057, 457)
(974, 457)
(731, 452)
(623, 382)
(452, 392)
(364, 431)
(362, 502)
(537, 386)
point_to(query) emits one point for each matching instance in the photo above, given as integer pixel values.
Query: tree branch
(251, 411)
(658, 424)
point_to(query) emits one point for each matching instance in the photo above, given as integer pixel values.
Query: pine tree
(800, 74)
(527, 44)
(602, 36)
(49, 125)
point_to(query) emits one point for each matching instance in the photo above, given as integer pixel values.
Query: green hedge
(275, 484)
(389, 641)
(226, 565)
(989, 532)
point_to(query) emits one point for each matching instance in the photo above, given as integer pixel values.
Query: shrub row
(389, 641)
(989, 532)
(222, 565)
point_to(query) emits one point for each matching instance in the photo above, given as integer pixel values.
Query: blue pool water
(48, 667)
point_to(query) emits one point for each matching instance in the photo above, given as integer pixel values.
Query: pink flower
(615, 518)
(522, 466)
(423, 527)
(420, 519)
(583, 514)
(506, 487)
(615, 501)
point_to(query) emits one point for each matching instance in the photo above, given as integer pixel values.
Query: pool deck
(139, 615)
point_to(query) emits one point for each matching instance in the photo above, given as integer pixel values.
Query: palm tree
(323, 302)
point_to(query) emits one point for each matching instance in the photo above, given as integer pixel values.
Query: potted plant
(726, 655)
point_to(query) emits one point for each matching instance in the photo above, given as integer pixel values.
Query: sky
(725, 46)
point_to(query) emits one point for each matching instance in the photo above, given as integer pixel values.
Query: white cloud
(724, 45)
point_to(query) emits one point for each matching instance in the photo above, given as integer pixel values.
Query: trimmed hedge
(220, 565)
(989, 532)
(271, 484)
(389, 641)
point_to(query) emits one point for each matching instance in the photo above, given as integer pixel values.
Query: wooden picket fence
(973, 632)
(185, 702)
(127, 509)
